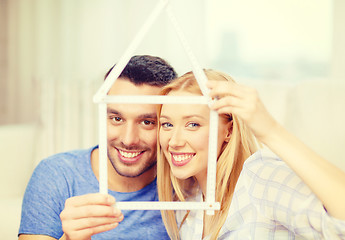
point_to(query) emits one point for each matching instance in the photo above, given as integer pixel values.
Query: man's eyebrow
(148, 115)
(113, 111)
(142, 116)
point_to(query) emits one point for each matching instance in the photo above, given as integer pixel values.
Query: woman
(263, 198)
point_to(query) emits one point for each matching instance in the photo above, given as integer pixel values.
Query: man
(61, 199)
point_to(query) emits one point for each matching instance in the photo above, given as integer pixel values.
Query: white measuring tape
(158, 99)
(210, 205)
(102, 99)
(168, 206)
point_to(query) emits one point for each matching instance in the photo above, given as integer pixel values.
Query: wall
(59, 51)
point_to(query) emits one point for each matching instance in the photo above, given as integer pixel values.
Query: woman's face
(183, 137)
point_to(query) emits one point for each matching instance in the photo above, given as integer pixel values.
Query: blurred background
(54, 54)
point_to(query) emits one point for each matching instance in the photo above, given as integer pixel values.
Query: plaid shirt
(270, 202)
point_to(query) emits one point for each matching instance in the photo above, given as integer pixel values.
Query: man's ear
(229, 132)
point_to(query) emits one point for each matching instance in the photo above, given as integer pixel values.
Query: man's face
(131, 134)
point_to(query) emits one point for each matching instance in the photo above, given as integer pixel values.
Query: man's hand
(88, 215)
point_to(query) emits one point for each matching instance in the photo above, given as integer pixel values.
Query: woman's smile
(181, 159)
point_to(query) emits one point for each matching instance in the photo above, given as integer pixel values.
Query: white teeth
(129, 154)
(180, 157)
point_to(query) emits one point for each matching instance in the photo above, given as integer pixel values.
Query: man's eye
(116, 119)
(148, 122)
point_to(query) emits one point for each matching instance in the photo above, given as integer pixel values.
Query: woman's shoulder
(264, 163)
(266, 172)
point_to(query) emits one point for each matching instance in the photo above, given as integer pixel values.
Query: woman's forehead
(181, 92)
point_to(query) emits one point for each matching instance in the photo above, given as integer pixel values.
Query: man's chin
(130, 173)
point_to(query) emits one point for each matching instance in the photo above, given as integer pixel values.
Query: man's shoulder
(62, 168)
(68, 159)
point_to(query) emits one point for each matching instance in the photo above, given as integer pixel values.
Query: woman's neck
(201, 178)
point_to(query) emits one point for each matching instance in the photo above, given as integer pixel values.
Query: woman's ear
(229, 132)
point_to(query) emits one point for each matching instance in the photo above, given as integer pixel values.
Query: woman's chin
(181, 176)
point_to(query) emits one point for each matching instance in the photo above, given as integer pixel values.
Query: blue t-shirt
(69, 174)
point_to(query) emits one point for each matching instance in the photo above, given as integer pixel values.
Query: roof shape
(102, 99)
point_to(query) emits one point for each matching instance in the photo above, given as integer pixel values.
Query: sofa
(17, 149)
(312, 110)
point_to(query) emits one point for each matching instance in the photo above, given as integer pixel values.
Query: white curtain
(54, 54)
(338, 56)
(57, 53)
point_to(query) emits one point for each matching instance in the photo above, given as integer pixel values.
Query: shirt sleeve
(43, 201)
(280, 195)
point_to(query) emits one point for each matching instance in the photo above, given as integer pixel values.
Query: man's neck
(120, 183)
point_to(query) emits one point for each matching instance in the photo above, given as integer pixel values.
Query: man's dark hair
(145, 69)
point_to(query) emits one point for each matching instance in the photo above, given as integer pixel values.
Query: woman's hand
(244, 102)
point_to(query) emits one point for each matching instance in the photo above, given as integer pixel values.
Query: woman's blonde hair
(242, 144)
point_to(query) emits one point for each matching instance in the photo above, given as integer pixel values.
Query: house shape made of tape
(102, 99)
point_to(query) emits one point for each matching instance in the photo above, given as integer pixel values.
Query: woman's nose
(176, 139)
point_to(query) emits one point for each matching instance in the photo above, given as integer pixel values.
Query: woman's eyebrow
(194, 116)
(163, 116)
(187, 117)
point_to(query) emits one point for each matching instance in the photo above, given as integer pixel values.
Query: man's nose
(130, 135)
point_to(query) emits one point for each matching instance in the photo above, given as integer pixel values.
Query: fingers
(228, 102)
(226, 88)
(245, 103)
(90, 211)
(94, 222)
(90, 205)
(234, 106)
(91, 199)
(233, 98)
(85, 234)
(86, 215)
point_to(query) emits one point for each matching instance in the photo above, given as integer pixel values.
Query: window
(270, 39)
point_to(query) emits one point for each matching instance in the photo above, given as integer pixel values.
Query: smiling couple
(261, 195)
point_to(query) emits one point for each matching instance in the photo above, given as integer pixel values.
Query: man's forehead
(133, 110)
(123, 86)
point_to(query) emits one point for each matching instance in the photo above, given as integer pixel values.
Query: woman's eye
(193, 125)
(166, 125)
